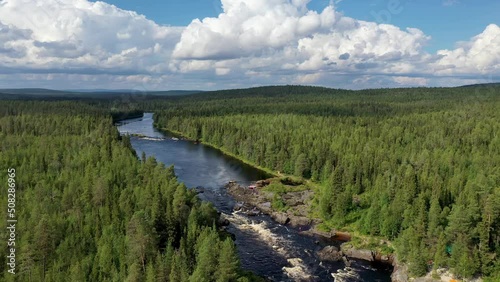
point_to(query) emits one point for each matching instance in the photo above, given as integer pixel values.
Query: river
(265, 247)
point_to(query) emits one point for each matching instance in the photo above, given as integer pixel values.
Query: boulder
(400, 272)
(323, 234)
(293, 199)
(296, 221)
(280, 217)
(265, 207)
(238, 206)
(330, 253)
(346, 261)
(306, 196)
(223, 221)
(320, 235)
(253, 212)
(351, 252)
(199, 190)
(262, 183)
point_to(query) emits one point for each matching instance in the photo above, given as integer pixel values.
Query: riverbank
(294, 211)
(292, 208)
(121, 116)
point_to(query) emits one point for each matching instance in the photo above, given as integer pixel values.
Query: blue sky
(201, 44)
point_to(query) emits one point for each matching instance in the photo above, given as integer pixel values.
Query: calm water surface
(264, 246)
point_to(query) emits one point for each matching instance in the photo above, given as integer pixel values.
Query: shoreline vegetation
(179, 134)
(119, 116)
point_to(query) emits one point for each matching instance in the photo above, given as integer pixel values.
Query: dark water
(264, 246)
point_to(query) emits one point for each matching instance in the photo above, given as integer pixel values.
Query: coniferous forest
(420, 167)
(417, 167)
(249, 141)
(89, 210)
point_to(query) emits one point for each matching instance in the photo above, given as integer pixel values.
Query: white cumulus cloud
(479, 55)
(81, 36)
(248, 27)
(251, 42)
(285, 35)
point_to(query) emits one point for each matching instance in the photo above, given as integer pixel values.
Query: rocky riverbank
(254, 199)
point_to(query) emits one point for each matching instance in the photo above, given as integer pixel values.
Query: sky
(212, 44)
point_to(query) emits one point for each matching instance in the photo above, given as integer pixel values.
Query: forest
(419, 167)
(88, 209)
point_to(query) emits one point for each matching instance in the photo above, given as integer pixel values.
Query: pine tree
(301, 165)
(463, 261)
(44, 241)
(228, 265)
(141, 238)
(150, 273)
(207, 253)
(441, 255)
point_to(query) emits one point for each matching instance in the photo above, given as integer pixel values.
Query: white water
(152, 138)
(297, 271)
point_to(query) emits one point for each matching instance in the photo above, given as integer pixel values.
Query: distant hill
(494, 84)
(33, 91)
(272, 91)
(134, 91)
(40, 93)
(262, 91)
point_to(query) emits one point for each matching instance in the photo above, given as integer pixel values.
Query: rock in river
(330, 253)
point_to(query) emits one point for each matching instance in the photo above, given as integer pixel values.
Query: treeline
(117, 109)
(88, 210)
(417, 166)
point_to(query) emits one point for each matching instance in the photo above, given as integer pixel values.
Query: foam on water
(347, 274)
(298, 271)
